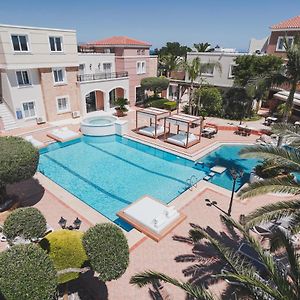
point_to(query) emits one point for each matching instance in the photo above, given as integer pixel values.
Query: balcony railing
(101, 76)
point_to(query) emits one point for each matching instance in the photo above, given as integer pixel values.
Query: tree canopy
(174, 49)
(155, 84)
(249, 67)
(27, 222)
(27, 273)
(237, 104)
(107, 249)
(203, 47)
(209, 101)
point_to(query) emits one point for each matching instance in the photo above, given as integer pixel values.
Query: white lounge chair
(180, 139)
(150, 130)
(34, 142)
(63, 134)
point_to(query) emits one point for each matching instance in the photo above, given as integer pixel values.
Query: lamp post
(235, 176)
(63, 224)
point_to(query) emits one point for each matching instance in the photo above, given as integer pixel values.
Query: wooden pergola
(188, 122)
(153, 130)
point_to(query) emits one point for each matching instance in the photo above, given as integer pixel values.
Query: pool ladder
(191, 182)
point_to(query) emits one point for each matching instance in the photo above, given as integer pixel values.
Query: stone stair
(7, 117)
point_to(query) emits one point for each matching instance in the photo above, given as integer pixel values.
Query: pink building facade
(131, 56)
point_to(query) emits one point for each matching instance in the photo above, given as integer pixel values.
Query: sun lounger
(150, 130)
(209, 132)
(180, 139)
(63, 134)
(34, 142)
(150, 216)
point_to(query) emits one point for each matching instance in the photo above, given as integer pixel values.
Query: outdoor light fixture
(77, 223)
(62, 222)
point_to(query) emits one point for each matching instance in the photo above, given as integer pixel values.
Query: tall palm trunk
(289, 102)
(190, 97)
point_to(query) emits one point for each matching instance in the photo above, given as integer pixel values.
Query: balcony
(101, 76)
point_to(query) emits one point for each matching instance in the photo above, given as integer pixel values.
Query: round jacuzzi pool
(98, 125)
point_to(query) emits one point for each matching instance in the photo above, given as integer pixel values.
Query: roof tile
(119, 40)
(288, 24)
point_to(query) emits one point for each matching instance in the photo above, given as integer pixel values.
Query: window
(107, 67)
(141, 67)
(231, 71)
(55, 44)
(23, 78)
(20, 43)
(81, 67)
(208, 69)
(29, 110)
(63, 104)
(281, 42)
(59, 76)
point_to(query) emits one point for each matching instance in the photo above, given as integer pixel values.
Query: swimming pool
(109, 173)
(227, 156)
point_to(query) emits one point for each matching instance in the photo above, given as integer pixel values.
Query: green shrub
(27, 273)
(107, 249)
(66, 251)
(159, 103)
(209, 100)
(18, 161)
(170, 105)
(26, 222)
(121, 102)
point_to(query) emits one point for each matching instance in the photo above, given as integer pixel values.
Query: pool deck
(54, 202)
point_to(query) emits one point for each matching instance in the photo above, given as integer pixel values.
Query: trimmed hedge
(170, 105)
(27, 273)
(27, 222)
(18, 160)
(107, 249)
(65, 249)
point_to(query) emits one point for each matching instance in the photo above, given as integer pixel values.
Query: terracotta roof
(288, 24)
(119, 40)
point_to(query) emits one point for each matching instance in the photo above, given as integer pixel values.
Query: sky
(228, 23)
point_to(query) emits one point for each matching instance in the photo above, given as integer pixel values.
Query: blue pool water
(228, 156)
(109, 173)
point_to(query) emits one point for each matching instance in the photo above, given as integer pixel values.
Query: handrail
(100, 76)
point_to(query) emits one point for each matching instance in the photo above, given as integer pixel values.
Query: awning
(283, 95)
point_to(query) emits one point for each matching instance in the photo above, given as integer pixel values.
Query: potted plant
(121, 106)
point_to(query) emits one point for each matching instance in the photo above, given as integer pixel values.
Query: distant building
(258, 46)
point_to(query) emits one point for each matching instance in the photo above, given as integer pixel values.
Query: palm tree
(203, 47)
(277, 286)
(277, 158)
(291, 73)
(169, 63)
(195, 69)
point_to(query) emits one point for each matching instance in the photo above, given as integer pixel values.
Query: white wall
(226, 60)
(39, 54)
(93, 61)
(14, 95)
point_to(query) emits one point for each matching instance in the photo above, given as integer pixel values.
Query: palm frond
(148, 277)
(271, 212)
(284, 184)
(282, 156)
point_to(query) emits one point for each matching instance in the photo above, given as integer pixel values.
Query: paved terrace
(55, 202)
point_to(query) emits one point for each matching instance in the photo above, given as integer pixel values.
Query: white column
(106, 101)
